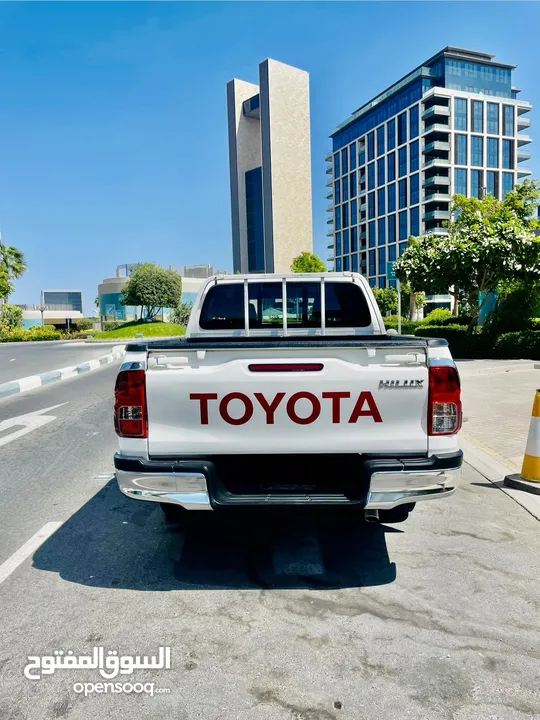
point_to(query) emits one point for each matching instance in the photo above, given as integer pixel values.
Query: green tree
(181, 313)
(11, 316)
(387, 300)
(12, 267)
(153, 288)
(488, 241)
(308, 262)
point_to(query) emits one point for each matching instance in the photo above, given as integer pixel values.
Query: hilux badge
(401, 384)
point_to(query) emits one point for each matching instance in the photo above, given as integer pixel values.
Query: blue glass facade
(254, 219)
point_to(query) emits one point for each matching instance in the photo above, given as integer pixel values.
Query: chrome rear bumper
(390, 483)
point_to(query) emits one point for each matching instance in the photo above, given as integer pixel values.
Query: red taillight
(286, 367)
(444, 404)
(130, 418)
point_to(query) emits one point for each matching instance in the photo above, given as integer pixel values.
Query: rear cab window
(345, 306)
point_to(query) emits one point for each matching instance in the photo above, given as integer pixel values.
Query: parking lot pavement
(285, 616)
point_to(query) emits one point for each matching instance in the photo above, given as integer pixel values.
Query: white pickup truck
(288, 390)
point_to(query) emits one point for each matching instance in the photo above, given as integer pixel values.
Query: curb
(495, 471)
(34, 381)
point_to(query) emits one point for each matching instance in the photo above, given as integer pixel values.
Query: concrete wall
(244, 155)
(286, 151)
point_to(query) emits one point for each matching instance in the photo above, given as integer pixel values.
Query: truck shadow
(115, 542)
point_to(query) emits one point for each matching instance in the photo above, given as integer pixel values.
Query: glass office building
(453, 125)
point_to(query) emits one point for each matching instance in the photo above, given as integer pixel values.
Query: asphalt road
(18, 360)
(288, 616)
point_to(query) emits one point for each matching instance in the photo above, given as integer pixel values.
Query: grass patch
(129, 331)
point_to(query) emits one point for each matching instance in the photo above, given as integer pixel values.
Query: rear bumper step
(380, 483)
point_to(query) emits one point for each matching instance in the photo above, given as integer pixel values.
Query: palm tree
(12, 266)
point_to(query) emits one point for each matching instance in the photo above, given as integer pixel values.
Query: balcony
(330, 195)
(330, 233)
(523, 172)
(436, 110)
(437, 215)
(437, 127)
(329, 169)
(436, 162)
(523, 107)
(436, 146)
(436, 180)
(437, 231)
(437, 197)
(330, 245)
(330, 182)
(328, 157)
(330, 220)
(523, 140)
(330, 208)
(523, 155)
(523, 122)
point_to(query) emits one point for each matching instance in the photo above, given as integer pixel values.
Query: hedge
(407, 326)
(34, 334)
(518, 345)
(462, 344)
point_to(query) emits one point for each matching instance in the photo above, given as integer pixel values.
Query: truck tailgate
(287, 400)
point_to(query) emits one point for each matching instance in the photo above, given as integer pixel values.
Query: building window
(372, 270)
(354, 212)
(391, 167)
(254, 220)
(508, 154)
(508, 120)
(371, 146)
(391, 228)
(403, 193)
(381, 231)
(371, 234)
(414, 121)
(344, 161)
(352, 156)
(382, 279)
(477, 155)
(371, 205)
(415, 221)
(392, 198)
(391, 134)
(402, 161)
(392, 252)
(380, 171)
(338, 244)
(492, 152)
(460, 152)
(460, 182)
(402, 247)
(338, 265)
(362, 155)
(460, 114)
(345, 188)
(382, 261)
(507, 184)
(493, 183)
(337, 218)
(337, 192)
(337, 171)
(476, 183)
(346, 242)
(371, 176)
(353, 187)
(346, 265)
(403, 230)
(380, 141)
(414, 157)
(493, 118)
(354, 239)
(402, 128)
(355, 263)
(414, 189)
(345, 214)
(381, 205)
(477, 116)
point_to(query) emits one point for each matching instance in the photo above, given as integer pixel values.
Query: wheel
(396, 515)
(173, 513)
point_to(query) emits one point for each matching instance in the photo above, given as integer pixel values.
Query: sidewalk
(497, 402)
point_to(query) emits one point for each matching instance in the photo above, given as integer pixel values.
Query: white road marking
(29, 421)
(20, 555)
(29, 383)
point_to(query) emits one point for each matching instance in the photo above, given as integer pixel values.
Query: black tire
(396, 515)
(173, 514)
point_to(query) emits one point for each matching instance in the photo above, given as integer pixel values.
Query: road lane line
(30, 546)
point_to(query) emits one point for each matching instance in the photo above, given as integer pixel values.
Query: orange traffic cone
(529, 479)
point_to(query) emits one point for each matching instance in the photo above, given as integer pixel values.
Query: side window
(223, 307)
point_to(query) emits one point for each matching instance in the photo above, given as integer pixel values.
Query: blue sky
(113, 139)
